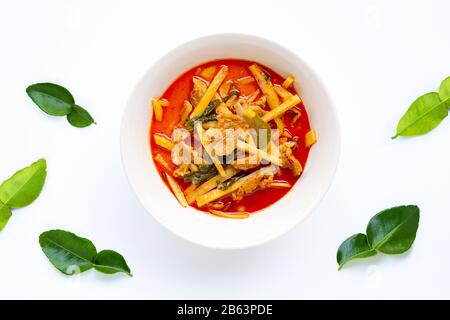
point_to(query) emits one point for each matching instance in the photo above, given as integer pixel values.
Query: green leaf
(69, 253)
(352, 248)
(5, 214)
(79, 117)
(203, 173)
(228, 183)
(393, 230)
(263, 131)
(423, 115)
(444, 89)
(207, 115)
(51, 98)
(109, 262)
(24, 186)
(233, 92)
(72, 254)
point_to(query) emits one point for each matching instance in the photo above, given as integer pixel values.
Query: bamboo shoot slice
(210, 184)
(205, 144)
(163, 103)
(285, 106)
(210, 92)
(280, 184)
(177, 191)
(310, 138)
(190, 189)
(157, 109)
(229, 215)
(266, 87)
(283, 93)
(163, 142)
(187, 109)
(260, 153)
(288, 81)
(208, 72)
(218, 193)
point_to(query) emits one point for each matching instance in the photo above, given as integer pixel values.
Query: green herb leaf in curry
(208, 115)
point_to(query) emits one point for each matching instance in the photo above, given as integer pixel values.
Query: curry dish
(230, 137)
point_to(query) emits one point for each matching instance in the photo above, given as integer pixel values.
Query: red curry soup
(230, 137)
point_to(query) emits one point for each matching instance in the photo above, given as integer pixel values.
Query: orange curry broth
(180, 90)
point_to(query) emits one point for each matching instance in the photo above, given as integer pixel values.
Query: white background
(375, 57)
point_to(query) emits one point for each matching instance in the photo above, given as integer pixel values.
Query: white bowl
(209, 230)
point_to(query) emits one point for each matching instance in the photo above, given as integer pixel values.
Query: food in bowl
(230, 137)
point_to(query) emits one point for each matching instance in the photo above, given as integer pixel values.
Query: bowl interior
(197, 226)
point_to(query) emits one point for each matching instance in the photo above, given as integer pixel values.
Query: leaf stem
(111, 267)
(447, 101)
